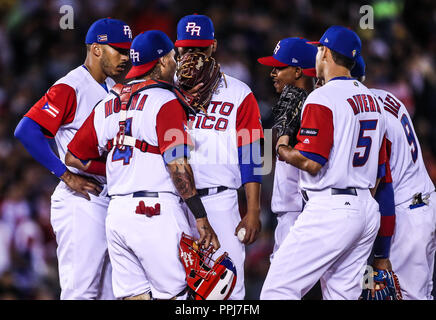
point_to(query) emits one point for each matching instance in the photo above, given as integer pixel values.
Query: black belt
(140, 194)
(205, 191)
(334, 191)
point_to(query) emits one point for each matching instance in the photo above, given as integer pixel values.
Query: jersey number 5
(364, 142)
(410, 136)
(126, 153)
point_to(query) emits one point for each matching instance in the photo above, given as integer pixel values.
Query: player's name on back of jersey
(363, 103)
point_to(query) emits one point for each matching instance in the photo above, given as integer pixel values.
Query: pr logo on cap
(134, 55)
(277, 48)
(353, 53)
(193, 27)
(127, 31)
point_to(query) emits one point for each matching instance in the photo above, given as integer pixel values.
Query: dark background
(34, 52)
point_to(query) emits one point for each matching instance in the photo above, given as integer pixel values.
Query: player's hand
(382, 264)
(81, 184)
(252, 225)
(207, 234)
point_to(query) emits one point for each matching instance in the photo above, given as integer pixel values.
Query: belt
(210, 191)
(332, 191)
(139, 194)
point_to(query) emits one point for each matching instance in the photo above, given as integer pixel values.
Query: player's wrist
(65, 176)
(196, 206)
(278, 147)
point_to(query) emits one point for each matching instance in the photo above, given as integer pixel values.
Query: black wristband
(196, 206)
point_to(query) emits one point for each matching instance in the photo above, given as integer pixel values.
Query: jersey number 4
(126, 153)
(364, 142)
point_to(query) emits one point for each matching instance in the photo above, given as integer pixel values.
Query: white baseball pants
(144, 250)
(83, 260)
(413, 249)
(330, 241)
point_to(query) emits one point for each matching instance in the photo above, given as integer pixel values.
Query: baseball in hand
(241, 234)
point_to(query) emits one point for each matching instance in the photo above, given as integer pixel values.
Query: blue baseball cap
(195, 30)
(294, 52)
(146, 49)
(358, 70)
(342, 40)
(110, 31)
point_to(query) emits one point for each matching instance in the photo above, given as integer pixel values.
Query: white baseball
(241, 234)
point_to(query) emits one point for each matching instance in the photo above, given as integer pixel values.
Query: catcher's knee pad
(206, 281)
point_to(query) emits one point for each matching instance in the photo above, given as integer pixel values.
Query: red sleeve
(84, 144)
(171, 126)
(316, 132)
(386, 145)
(55, 108)
(248, 121)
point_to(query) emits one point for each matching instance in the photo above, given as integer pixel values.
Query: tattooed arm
(183, 179)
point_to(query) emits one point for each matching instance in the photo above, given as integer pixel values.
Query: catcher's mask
(206, 281)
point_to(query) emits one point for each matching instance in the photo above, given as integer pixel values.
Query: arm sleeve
(248, 121)
(84, 144)
(383, 162)
(386, 200)
(55, 108)
(249, 136)
(315, 138)
(31, 136)
(249, 159)
(171, 129)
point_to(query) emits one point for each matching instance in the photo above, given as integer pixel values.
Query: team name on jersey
(217, 117)
(363, 103)
(391, 105)
(114, 105)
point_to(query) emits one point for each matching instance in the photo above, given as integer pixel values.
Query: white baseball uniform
(286, 201)
(232, 121)
(343, 130)
(79, 224)
(143, 249)
(413, 244)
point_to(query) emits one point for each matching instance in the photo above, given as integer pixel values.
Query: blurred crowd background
(400, 54)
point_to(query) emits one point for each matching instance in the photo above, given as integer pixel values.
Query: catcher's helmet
(206, 281)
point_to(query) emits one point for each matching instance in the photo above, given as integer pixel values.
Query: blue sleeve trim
(382, 247)
(176, 152)
(249, 157)
(84, 162)
(314, 157)
(385, 198)
(381, 172)
(31, 136)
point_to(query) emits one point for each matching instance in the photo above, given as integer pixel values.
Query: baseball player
(77, 217)
(227, 151)
(413, 245)
(341, 154)
(142, 125)
(293, 64)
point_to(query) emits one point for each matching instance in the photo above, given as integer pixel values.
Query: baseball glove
(196, 67)
(287, 112)
(386, 287)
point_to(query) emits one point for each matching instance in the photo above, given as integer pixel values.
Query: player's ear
(214, 45)
(298, 73)
(96, 50)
